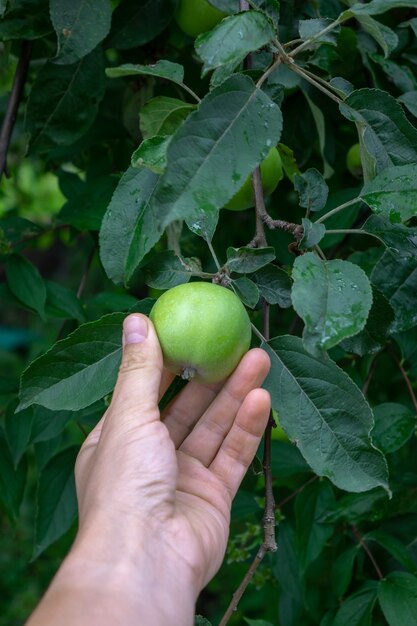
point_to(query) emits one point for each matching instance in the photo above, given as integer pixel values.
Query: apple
(271, 174)
(204, 330)
(197, 16)
(353, 161)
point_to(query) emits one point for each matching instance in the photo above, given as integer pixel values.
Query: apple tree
(148, 144)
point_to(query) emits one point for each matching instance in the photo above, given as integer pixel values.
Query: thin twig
(361, 541)
(296, 492)
(406, 379)
(298, 70)
(242, 587)
(85, 272)
(371, 373)
(345, 205)
(213, 254)
(13, 104)
(309, 41)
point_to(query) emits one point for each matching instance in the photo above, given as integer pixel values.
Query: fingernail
(135, 329)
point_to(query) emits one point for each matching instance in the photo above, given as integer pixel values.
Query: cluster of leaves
(149, 134)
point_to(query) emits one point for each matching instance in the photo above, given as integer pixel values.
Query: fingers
(240, 445)
(210, 431)
(135, 397)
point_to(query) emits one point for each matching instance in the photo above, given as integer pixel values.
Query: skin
(197, 16)
(204, 330)
(155, 491)
(271, 174)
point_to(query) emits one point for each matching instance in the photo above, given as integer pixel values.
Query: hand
(155, 491)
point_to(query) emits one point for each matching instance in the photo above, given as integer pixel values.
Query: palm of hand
(181, 470)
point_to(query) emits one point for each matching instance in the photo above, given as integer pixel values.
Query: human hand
(155, 491)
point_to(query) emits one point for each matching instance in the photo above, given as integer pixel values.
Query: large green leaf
(357, 608)
(63, 101)
(25, 19)
(78, 370)
(397, 595)
(388, 135)
(57, 501)
(12, 480)
(394, 425)
(162, 115)
(332, 297)
(311, 532)
(285, 564)
(274, 285)
(233, 39)
(136, 23)
(80, 26)
(393, 193)
(246, 260)
(129, 228)
(26, 283)
(167, 270)
(213, 152)
(323, 411)
(375, 7)
(400, 239)
(396, 277)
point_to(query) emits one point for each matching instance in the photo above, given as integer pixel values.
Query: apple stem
(188, 373)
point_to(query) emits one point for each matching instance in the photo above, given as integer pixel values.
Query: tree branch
(361, 541)
(406, 379)
(13, 104)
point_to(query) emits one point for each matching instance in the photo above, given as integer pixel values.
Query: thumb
(137, 388)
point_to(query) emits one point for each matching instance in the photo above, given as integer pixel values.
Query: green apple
(204, 330)
(271, 174)
(353, 161)
(197, 16)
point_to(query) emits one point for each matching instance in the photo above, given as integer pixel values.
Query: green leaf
(400, 75)
(323, 411)
(63, 102)
(18, 431)
(129, 228)
(394, 425)
(385, 130)
(79, 26)
(160, 69)
(25, 19)
(88, 202)
(384, 36)
(46, 424)
(342, 571)
(199, 620)
(12, 481)
(167, 270)
(233, 39)
(357, 609)
(312, 533)
(398, 238)
(286, 460)
(26, 283)
(62, 302)
(285, 565)
(393, 193)
(378, 325)
(78, 370)
(57, 501)
(312, 234)
(375, 7)
(246, 260)
(320, 123)
(332, 297)
(247, 291)
(152, 154)
(163, 115)
(137, 23)
(358, 507)
(311, 28)
(396, 277)
(409, 100)
(392, 545)
(257, 622)
(312, 189)
(274, 285)
(215, 157)
(397, 595)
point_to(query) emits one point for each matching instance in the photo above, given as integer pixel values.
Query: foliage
(131, 138)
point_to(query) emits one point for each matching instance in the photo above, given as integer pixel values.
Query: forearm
(83, 593)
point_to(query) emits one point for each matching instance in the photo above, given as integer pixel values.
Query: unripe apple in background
(197, 16)
(204, 330)
(353, 161)
(271, 174)
(278, 432)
